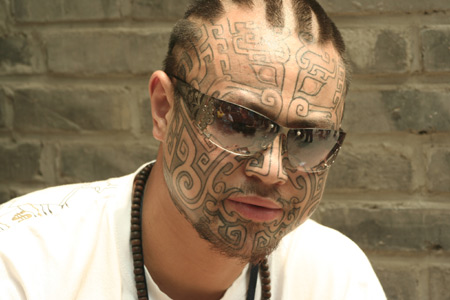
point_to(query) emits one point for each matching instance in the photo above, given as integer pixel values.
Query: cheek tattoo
(200, 176)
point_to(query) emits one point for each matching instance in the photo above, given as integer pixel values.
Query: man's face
(245, 205)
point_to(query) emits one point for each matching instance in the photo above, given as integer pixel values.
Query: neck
(179, 261)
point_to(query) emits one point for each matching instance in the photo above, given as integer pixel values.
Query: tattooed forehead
(273, 70)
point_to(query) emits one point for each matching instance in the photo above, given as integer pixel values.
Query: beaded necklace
(138, 257)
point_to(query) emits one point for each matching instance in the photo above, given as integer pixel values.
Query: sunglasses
(244, 132)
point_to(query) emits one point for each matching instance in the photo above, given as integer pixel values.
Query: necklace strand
(136, 241)
(136, 232)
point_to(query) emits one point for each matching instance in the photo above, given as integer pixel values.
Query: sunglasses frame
(202, 114)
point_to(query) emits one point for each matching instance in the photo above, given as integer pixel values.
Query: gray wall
(74, 107)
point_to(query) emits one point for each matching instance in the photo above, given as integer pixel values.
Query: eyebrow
(252, 101)
(259, 108)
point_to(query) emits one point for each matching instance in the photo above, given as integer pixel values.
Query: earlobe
(161, 97)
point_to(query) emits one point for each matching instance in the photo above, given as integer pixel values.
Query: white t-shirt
(72, 242)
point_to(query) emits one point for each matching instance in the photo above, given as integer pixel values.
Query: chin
(249, 244)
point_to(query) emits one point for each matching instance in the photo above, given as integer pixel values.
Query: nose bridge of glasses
(278, 143)
(280, 136)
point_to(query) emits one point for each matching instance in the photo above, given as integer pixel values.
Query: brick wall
(74, 107)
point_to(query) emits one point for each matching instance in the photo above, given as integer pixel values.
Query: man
(248, 113)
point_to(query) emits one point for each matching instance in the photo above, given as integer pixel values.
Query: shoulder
(81, 227)
(312, 236)
(54, 201)
(320, 245)
(322, 263)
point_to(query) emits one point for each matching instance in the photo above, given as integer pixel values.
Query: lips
(255, 208)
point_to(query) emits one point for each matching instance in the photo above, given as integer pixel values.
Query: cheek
(307, 191)
(193, 168)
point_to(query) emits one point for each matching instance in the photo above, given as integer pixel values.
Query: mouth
(255, 208)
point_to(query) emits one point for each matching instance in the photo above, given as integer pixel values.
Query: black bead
(140, 285)
(137, 256)
(136, 242)
(265, 274)
(138, 271)
(136, 249)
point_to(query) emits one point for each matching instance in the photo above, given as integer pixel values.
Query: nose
(267, 165)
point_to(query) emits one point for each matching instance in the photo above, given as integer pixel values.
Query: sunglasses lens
(239, 130)
(244, 132)
(310, 148)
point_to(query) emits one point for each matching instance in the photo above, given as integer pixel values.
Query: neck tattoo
(137, 251)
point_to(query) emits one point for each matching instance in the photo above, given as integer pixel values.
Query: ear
(161, 96)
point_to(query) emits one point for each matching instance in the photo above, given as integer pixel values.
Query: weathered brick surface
(19, 53)
(63, 10)
(101, 52)
(378, 49)
(20, 162)
(3, 116)
(413, 110)
(383, 6)
(391, 229)
(440, 282)
(374, 167)
(145, 113)
(158, 9)
(438, 173)
(3, 17)
(89, 162)
(70, 109)
(400, 282)
(436, 48)
(4, 196)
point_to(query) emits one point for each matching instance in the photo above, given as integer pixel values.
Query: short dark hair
(186, 33)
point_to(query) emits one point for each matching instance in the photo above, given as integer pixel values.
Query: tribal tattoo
(284, 76)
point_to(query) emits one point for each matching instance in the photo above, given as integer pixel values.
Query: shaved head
(304, 18)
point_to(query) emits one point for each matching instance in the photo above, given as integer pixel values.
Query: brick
(20, 162)
(438, 175)
(392, 229)
(3, 16)
(71, 109)
(158, 9)
(436, 48)
(397, 110)
(145, 111)
(439, 282)
(4, 196)
(377, 166)
(378, 50)
(400, 282)
(64, 10)
(19, 53)
(383, 6)
(106, 51)
(3, 110)
(88, 162)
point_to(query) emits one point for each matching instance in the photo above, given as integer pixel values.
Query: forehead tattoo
(233, 56)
